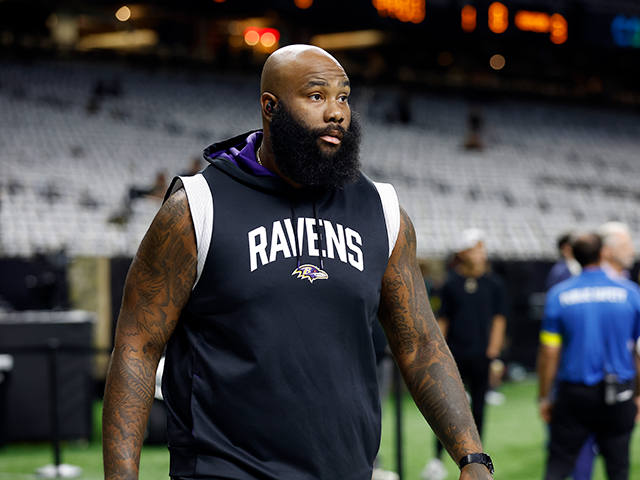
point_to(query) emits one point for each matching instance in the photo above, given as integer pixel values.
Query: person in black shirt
(473, 320)
(264, 299)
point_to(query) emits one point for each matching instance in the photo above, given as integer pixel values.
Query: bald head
(286, 63)
(305, 109)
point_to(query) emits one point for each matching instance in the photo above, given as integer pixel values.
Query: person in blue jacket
(588, 346)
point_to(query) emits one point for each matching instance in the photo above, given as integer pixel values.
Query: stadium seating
(69, 156)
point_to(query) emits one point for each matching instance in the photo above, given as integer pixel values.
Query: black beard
(298, 155)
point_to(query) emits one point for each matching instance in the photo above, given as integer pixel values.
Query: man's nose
(333, 112)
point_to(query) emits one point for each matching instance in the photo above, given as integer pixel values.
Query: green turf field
(514, 437)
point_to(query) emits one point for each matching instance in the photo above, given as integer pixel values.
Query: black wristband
(482, 458)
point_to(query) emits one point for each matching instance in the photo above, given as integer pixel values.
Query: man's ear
(269, 103)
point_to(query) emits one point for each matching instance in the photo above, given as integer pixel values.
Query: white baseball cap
(469, 238)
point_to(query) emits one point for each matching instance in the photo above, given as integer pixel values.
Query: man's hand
(493, 353)
(546, 409)
(548, 360)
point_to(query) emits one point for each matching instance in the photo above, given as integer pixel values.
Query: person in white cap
(473, 321)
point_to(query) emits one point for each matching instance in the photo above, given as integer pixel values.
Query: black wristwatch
(482, 458)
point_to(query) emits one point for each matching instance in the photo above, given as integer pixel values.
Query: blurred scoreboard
(604, 24)
(499, 19)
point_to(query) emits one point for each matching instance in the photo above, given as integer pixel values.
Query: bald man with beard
(262, 276)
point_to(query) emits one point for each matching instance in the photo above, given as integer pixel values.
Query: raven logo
(310, 272)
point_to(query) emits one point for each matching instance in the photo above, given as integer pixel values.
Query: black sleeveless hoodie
(271, 371)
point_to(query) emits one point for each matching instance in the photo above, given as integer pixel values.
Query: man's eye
(344, 99)
(316, 96)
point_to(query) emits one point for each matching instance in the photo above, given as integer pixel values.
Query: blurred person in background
(473, 321)
(155, 192)
(475, 121)
(195, 165)
(271, 374)
(587, 364)
(564, 268)
(618, 256)
(618, 252)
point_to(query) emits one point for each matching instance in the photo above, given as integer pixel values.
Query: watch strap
(482, 458)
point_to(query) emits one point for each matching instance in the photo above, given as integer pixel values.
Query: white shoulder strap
(391, 208)
(201, 206)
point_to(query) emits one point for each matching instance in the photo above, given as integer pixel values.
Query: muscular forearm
(434, 382)
(420, 351)
(157, 288)
(128, 397)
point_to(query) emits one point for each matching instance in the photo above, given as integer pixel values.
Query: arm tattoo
(157, 288)
(400, 329)
(420, 351)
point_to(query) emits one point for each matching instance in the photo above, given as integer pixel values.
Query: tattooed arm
(157, 288)
(422, 355)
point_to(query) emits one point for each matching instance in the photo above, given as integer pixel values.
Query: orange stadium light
(404, 10)
(498, 17)
(541, 22)
(559, 29)
(533, 21)
(267, 37)
(303, 3)
(469, 17)
(251, 36)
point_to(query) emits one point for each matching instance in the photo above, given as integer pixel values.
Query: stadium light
(404, 10)
(498, 17)
(625, 31)
(123, 14)
(497, 62)
(349, 40)
(267, 37)
(303, 4)
(559, 29)
(469, 17)
(540, 22)
(126, 40)
(251, 36)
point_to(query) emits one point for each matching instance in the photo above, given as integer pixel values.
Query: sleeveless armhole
(391, 209)
(201, 206)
